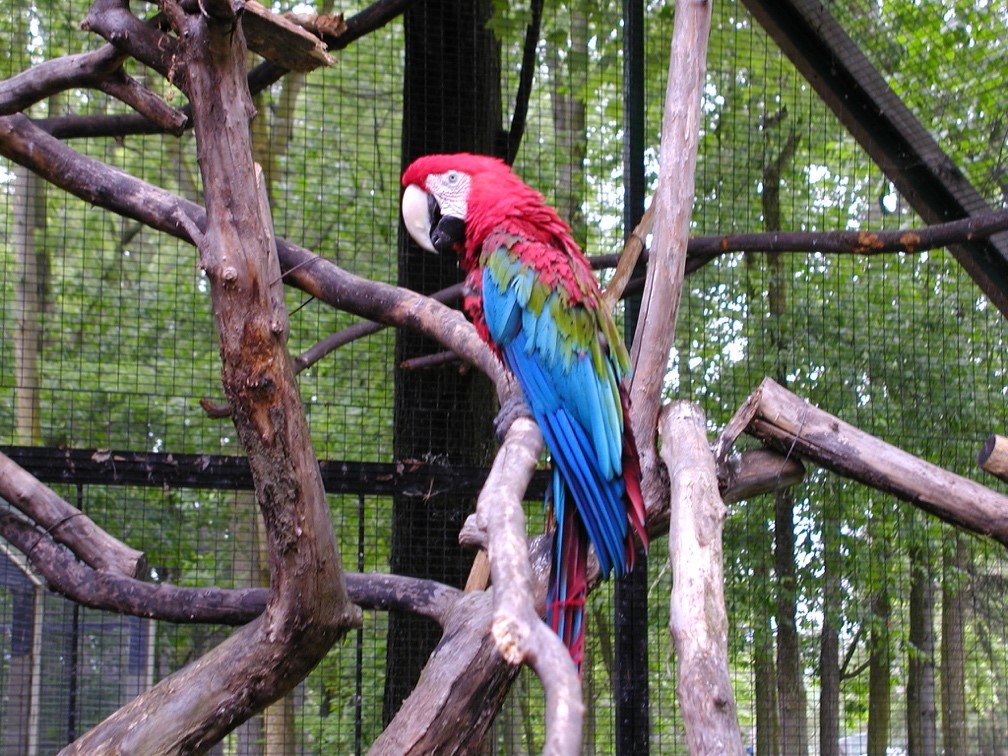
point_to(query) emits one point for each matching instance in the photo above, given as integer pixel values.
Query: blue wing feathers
(571, 384)
(574, 406)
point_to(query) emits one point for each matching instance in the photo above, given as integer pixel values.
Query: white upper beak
(416, 216)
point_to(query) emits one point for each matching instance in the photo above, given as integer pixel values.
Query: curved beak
(416, 211)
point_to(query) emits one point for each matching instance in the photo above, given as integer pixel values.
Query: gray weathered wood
(791, 424)
(673, 208)
(698, 620)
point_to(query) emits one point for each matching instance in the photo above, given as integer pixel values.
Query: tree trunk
(764, 670)
(829, 641)
(790, 684)
(568, 79)
(879, 675)
(921, 711)
(307, 608)
(451, 104)
(29, 304)
(953, 648)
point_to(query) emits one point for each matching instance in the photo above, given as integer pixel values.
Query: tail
(632, 483)
(568, 584)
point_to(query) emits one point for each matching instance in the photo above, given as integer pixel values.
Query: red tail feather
(632, 481)
(569, 584)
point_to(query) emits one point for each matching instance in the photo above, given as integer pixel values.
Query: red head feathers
(479, 192)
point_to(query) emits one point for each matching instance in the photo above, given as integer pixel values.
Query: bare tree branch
(697, 617)
(66, 524)
(520, 633)
(23, 90)
(864, 243)
(307, 607)
(780, 418)
(98, 588)
(145, 41)
(673, 207)
(114, 189)
(259, 78)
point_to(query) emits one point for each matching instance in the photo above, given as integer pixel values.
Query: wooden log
(697, 617)
(758, 471)
(281, 41)
(781, 419)
(993, 456)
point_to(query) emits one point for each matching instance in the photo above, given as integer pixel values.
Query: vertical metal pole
(359, 659)
(633, 722)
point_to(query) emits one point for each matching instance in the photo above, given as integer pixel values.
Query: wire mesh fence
(838, 595)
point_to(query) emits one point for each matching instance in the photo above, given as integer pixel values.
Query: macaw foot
(512, 408)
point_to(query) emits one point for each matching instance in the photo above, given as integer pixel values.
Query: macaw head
(452, 202)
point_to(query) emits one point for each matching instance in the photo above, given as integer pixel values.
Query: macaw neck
(539, 225)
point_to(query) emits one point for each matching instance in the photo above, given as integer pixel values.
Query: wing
(557, 344)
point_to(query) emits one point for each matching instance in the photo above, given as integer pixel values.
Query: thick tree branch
(259, 78)
(111, 188)
(362, 23)
(789, 423)
(993, 456)
(145, 41)
(66, 524)
(100, 69)
(520, 633)
(697, 617)
(23, 90)
(464, 682)
(673, 207)
(307, 607)
(102, 589)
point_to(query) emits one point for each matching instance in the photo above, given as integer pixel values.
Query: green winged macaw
(532, 296)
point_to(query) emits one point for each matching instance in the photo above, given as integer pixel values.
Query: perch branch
(626, 262)
(910, 240)
(466, 667)
(791, 424)
(259, 78)
(113, 189)
(128, 90)
(702, 249)
(757, 471)
(24, 89)
(673, 206)
(145, 41)
(65, 523)
(358, 331)
(100, 69)
(307, 608)
(520, 633)
(101, 589)
(697, 617)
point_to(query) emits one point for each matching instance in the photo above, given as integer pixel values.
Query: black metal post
(633, 722)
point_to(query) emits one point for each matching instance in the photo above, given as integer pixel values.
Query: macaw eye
(451, 177)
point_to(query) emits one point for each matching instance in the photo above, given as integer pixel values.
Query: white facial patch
(451, 190)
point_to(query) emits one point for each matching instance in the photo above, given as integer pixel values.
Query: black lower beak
(447, 233)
